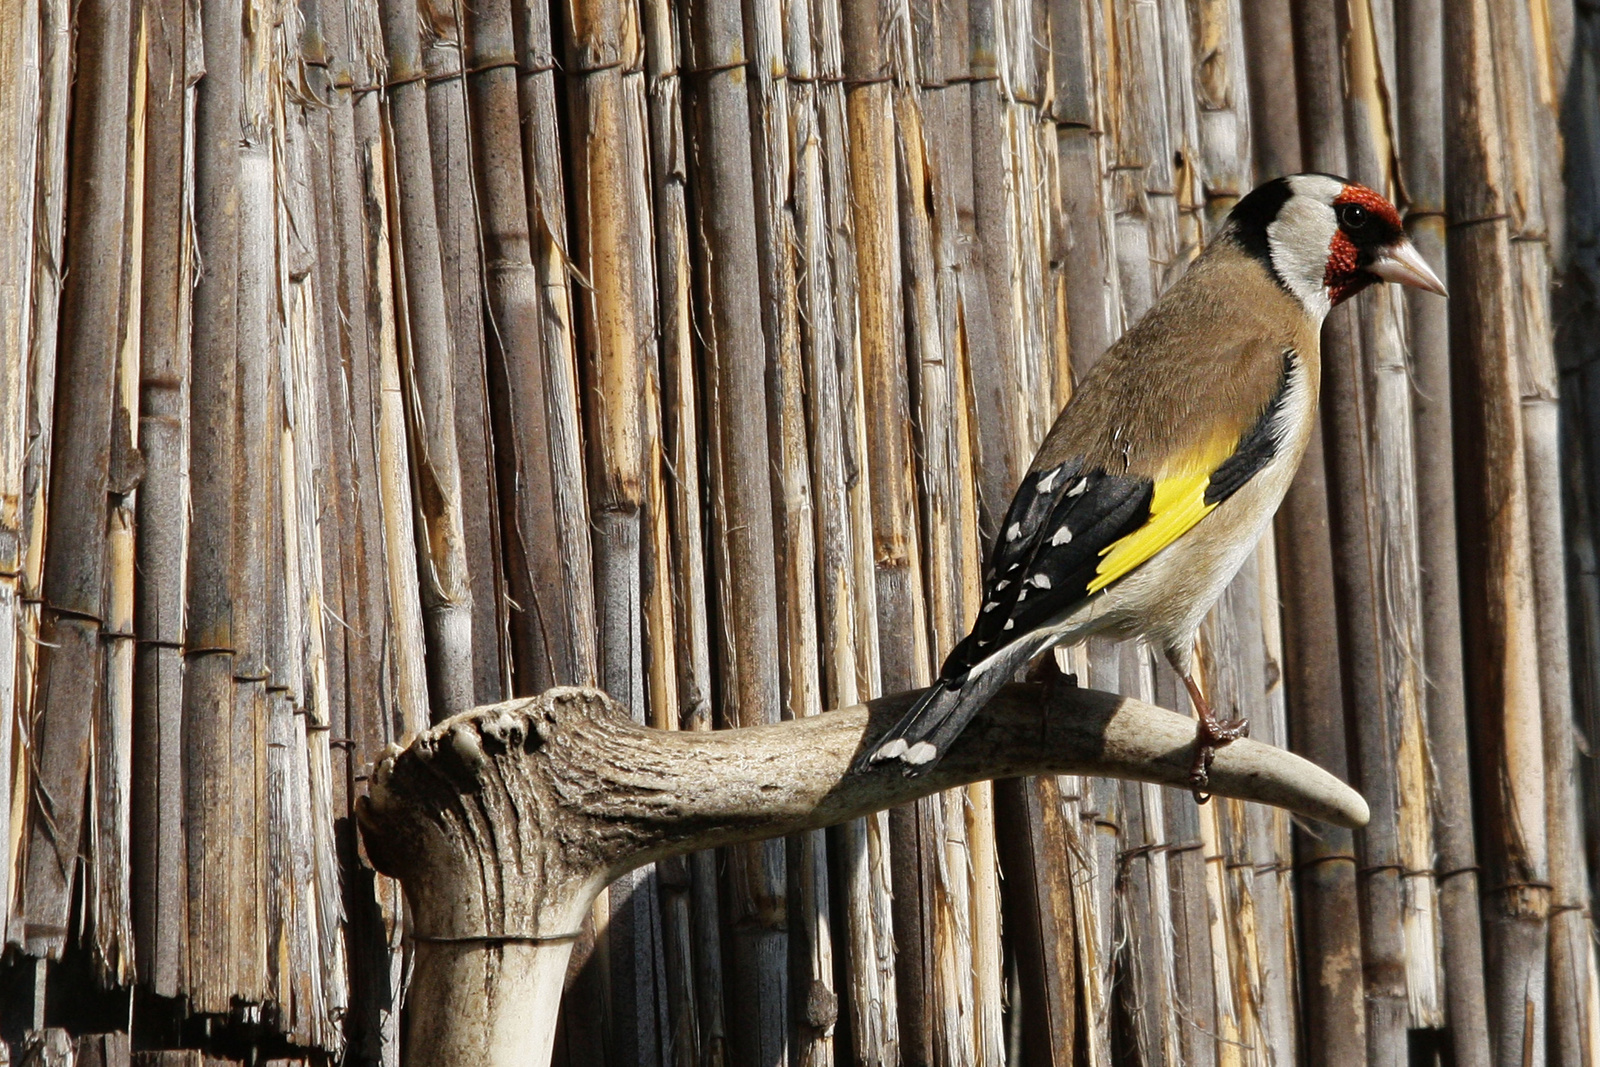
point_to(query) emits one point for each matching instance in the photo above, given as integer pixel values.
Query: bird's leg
(1212, 735)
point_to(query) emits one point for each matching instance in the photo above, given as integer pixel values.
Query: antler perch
(504, 822)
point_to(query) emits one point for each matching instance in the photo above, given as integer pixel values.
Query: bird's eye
(1353, 216)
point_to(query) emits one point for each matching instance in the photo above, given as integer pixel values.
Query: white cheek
(1299, 239)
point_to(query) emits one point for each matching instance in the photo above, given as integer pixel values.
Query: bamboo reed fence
(365, 360)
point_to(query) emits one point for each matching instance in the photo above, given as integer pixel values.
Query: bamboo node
(1442, 875)
(1170, 848)
(718, 68)
(156, 642)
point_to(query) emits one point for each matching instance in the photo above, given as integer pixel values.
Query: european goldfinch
(1157, 480)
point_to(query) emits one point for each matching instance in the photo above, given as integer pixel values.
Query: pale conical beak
(1404, 264)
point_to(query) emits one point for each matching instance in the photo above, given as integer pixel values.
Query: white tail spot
(920, 753)
(893, 750)
(1061, 536)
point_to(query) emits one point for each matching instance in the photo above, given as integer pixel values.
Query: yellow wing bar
(1176, 505)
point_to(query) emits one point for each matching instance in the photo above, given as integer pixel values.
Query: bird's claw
(1212, 735)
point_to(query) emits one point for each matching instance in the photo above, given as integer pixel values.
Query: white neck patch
(1300, 237)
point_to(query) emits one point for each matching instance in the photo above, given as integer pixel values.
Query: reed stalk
(508, 389)
(49, 237)
(1326, 146)
(318, 961)
(960, 973)
(616, 325)
(775, 113)
(371, 566)
(689, 886)
(208, 781)
(81, 477)
(159, 862)
(879, 69)
(107, 884)
(20, 99)
(1499, 612)
(1523, 65)
(841, 479)
(1397, 745)
(550, 558)
(513, 398)
(742, 533)
(456, 132)
(1574, 315)
(1419, 32)
(936, 204)
(428, 365)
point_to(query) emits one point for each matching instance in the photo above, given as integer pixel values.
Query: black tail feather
(939, 715)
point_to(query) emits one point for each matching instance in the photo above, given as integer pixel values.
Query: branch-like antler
(504, 822)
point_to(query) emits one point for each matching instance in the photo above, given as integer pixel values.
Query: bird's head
(1326, 238)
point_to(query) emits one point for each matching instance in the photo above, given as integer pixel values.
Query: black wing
(1054, 533)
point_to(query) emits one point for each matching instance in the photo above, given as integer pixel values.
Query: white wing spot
(1047, 480)
(1061, 536)
(1022, 595)
(1077, 490)
(990, 606)
(1014, 531)
(1011, 624)
(1041, 581)
(1000, 585)
(920, 753)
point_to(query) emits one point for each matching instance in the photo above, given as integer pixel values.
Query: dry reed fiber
(362, 361)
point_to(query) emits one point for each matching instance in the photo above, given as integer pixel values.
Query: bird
(1160, 475)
